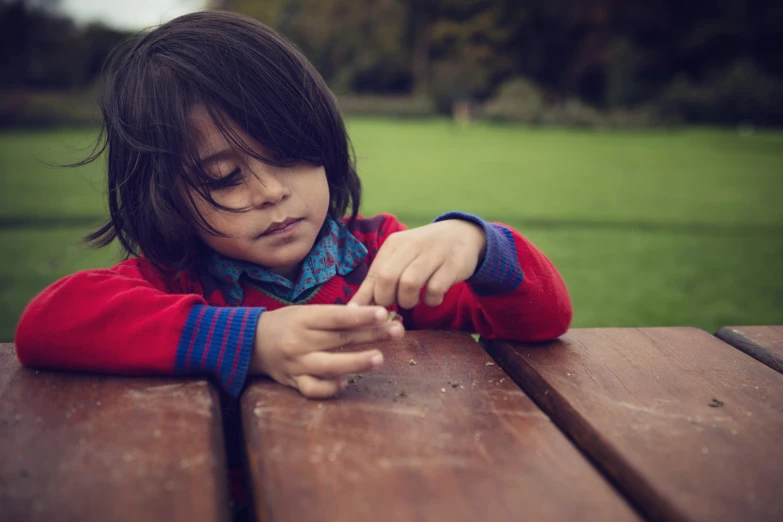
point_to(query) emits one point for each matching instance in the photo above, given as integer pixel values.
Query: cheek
(318, 192)
(221, 221)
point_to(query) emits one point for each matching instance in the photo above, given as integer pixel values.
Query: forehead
(210, 139)
(206, 134)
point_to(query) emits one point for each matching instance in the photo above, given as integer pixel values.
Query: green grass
(647, 228)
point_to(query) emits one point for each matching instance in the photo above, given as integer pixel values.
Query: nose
(267, 186)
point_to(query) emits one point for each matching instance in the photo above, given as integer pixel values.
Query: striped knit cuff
(500, 271)
(218, 341)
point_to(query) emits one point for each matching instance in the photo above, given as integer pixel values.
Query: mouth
(281, 227)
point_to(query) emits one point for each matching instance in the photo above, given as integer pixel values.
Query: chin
(287, 258)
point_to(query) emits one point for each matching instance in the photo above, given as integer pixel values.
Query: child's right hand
(291, 343)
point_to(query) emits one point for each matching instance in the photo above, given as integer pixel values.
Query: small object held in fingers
(394, 316)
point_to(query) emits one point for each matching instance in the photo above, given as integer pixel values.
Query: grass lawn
(648, 228)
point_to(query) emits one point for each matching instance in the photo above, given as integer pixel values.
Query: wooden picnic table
(688, 427)
(450, 438)
(764, 343)
(602, 424)
(81, 447)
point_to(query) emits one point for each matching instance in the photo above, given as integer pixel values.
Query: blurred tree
(42, 48)
(469, 55)
(609, 53)
(361, 49)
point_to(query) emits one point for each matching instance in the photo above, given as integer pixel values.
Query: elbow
(561, 317)
(552, 324)
(26, 339)
(560, 324)
(35, 336)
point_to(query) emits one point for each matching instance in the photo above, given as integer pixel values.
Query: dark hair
(246, 75)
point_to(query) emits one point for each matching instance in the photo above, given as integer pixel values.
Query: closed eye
(232, 179)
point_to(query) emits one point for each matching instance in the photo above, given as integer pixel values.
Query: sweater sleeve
(516, 293)
(128, 320)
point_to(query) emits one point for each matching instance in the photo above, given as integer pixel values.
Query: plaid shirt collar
(337, 251)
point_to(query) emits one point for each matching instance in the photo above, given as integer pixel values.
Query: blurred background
(636, 143)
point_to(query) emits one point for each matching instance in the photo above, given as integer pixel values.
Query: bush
(740, 93)
(518, 99)
(36, 109)
(396, 106)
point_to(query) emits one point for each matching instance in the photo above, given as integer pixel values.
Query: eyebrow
(215, 156)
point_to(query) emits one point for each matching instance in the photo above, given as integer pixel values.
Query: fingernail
(343, 385)
(381, 314)
(376, 360)
(351, 303)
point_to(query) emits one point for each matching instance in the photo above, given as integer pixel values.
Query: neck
(289, 272)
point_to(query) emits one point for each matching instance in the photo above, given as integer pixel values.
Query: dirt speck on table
(489, 363)
(716, 403)
(412, 362)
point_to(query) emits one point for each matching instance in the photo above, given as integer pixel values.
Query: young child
(232, 190)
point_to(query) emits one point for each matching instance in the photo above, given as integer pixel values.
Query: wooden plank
(449, 438)
(764, 343)
(688, 426)
(87, 447)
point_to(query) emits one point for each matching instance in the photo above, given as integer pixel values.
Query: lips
(279, 225)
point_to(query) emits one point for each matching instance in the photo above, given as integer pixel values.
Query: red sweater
(135, 319)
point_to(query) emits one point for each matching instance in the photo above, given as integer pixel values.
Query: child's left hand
(439, 256)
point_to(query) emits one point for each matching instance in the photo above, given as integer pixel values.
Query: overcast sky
(129, 14)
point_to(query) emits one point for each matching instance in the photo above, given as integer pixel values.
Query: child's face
(295, 198)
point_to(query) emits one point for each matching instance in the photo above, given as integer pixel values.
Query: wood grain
(86, 447)
(449, 438)
(763, 343)
(689, 427)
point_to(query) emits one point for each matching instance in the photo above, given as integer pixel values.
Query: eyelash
(231, 179)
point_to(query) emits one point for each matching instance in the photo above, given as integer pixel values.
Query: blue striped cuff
(500, 271)
(218, 340)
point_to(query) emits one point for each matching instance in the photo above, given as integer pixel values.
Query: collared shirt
(336, 251)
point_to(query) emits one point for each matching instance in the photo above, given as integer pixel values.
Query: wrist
(477, 237)
(475, 227)
(257, 363)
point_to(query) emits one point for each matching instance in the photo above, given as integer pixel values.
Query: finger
(334, 365)
(328, 339)
(437, 286)
(388, 274)
(364, 295)
(414, 277)
(336, 317)
(314, 388)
